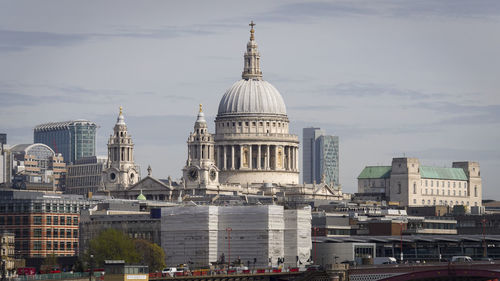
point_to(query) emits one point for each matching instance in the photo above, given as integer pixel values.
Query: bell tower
(200, 171)
(121, 170)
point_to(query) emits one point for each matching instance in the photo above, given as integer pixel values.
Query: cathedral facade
(252, 144)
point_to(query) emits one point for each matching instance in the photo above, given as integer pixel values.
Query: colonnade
(257, 157)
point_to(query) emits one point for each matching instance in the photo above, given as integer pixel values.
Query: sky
(391, 78)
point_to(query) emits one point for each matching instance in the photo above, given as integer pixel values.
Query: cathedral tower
(121, 171)
(200, 171)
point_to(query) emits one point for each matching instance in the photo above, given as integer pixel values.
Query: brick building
(43, 223)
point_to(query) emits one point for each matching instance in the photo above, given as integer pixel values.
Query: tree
(112, 244)
(152, 254)
(49, 262)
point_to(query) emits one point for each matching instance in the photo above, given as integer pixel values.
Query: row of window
(268, 124)
(443, 202)
(443, 184)
(49, 233)
(49, 245)
(38, 220)
(466, 193)
(5, 207)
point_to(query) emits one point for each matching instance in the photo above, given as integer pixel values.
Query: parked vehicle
(26, 271)
(169, 271)
(461, 259)
(384, 260)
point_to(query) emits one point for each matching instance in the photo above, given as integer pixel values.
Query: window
(37, 245)
(426, 183)
(454, 184)
(423, 201)
(68, 245)
(56, 233)
(49, 220)
(465, 185)
(75, 233)
(475, 191)
(56, 220)
(37, 233)
(399, 188)
(49, 245)
(432, 183)
(68, 233)
(460, 193)
(37, 220)
(68, 221)
(75, 220)
(415, 201)
(62, 220)
(414, 189)
(48, 233)
(61, 246)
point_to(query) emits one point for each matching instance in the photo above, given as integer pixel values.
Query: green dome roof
(141, 196)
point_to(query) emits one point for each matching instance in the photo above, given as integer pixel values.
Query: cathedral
(251, 152)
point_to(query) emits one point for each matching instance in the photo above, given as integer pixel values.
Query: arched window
(475, 191)
(399, 188)
(414, 188)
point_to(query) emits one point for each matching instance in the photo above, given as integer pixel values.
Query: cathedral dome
(252, 96)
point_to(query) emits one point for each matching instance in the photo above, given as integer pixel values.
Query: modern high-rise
(73, 139)
(320, 156)
(3, 139)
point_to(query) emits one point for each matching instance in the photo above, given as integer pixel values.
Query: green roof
(376, 172)
(141, 196)
(429, 172)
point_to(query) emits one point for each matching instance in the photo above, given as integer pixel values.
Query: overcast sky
(390, 78)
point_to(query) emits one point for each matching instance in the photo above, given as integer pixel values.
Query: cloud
(464, 113)
(13, 40)
(316, 107)
(362, 90)
(309, 11)
(443, 153)
(17, 40)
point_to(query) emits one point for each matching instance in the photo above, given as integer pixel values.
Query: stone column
(258, 157)
(241, 157)
(200, 149)
(217, 162)
(276, 157)
(190, 151)
(232, 157)
(225, 157)
(250, 158)
(268, 158)
(289, 158)
(296, 159)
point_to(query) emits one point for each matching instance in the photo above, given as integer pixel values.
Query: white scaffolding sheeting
(257, 232)
(297, 236)
(189, 235)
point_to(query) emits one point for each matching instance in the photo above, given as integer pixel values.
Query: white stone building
(265, 234)
(411, 184)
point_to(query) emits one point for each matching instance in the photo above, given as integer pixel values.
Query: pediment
(149, 183)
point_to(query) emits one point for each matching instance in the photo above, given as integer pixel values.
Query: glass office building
(73, 139)
(320, 156)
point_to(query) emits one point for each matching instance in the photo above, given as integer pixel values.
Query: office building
(43, 223)
(320, 157)
(410, 184)
(3, 139)
(36, 166)
(73, 139)
(85, 175)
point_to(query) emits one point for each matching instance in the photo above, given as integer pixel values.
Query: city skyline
(390, 79)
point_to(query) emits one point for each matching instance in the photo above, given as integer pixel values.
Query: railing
(56, 276)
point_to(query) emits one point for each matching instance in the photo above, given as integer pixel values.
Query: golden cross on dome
(121, 110)
(201, 107)
(252, 30)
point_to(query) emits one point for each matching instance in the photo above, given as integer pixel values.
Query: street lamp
(401, 240)
(485, 253)
(229, 246)
(315, 229)
(91, 270)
